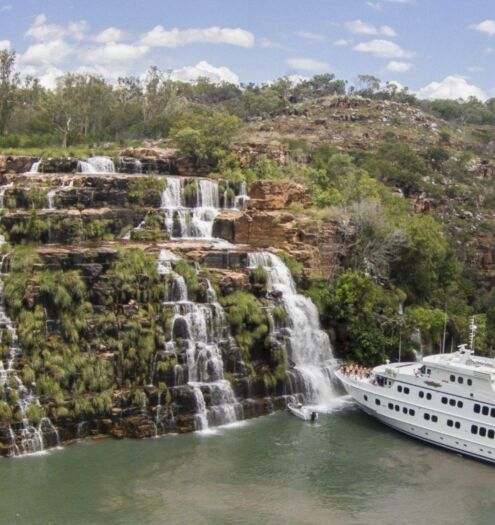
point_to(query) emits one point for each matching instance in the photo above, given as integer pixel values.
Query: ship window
(452, 402)
(492, 412)
(491, 434)
(365, 397)
(460, 404)
(434, 419)
(406, 390)
(477, 408)
(460, 380)
(444, 400)
(428, 371)
(452, 378)
(482, 431)
(457, 424)
(412, 412)
(428, 396)
(450, 423)
(397, 408)
(426, 416)
(399, 389)
(485, 411)
(421, 394)
(391, 406)
(474, 429)
(422, 369)
(377, 401)
(404, 409)
(469, 382)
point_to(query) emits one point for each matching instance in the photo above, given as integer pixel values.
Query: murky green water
(347, 469)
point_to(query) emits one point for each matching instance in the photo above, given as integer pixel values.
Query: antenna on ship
(472, 333)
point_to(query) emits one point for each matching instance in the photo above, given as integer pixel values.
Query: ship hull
(425, 434)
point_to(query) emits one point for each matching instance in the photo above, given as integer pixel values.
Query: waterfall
(202, 329)
(241, 199)
(50, 198)
(35, 167)
(309, 346)
(85, 167)
(3, 189)
(101, 164)
(184, 220)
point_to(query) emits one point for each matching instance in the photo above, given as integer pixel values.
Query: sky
(437, 48)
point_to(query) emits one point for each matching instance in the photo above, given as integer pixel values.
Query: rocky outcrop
(270, 195)
(15, 163)
(319, 245)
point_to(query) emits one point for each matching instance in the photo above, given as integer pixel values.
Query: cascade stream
(202, 330)
(308, 346)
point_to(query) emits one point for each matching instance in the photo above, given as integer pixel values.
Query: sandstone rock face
(319, 245)
(15, 163)
(270, 195)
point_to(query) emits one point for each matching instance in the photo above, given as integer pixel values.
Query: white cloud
(160, 37)
(44, 32)
(204, 69)
(7, 7)
(475, 69)
(487, 26)
(452, 86)
(110, 34)
(308, 64)
(374, 5)
(383, 49)
(46, 53)
(315, 37)
(4, 44)
(363, 28)
(398, 67)
(387, 31)
(46, 74)
(342, 42)
(113, 53)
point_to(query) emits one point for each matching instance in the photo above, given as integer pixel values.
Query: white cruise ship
(445, 399)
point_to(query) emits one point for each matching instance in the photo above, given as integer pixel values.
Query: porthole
(457, 425)
(491, 434)
(452, 402)
(377, 401)
(469, 382)
(482, 431)
(452, 378)
(365, 397)
(406, 390)
(428, 396)
(426, 416)
(460, 380)
(485, 411)
(404, 410)
(434, 419)
(421, 394)
(460, 404)
(477, 408)
(399, 389)
(391, 406)
(444, 400)
(412, 412)
(450, 423)
(474, 429)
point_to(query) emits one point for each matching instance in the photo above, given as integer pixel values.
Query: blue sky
(438, 48)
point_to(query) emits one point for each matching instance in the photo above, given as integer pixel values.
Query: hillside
(158, 288)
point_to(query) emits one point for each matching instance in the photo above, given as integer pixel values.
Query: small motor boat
(300, 411)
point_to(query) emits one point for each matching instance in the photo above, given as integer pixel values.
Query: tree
(8, 85)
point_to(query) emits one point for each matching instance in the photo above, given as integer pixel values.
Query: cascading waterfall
(35, 167)
(85, 167)
(101, 164)
(243, 196)
(50, 196)
(309, 346)
(201, 328)
(30, 436)
(183, 221)
(3, 189)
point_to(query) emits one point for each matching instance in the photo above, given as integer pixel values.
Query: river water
(346, 469)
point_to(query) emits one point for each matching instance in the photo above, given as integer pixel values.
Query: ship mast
(472, 333)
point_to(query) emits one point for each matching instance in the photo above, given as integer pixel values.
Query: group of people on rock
(356, 371)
